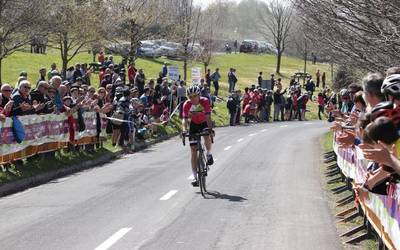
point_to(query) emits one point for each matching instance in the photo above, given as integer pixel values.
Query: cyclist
(198, 110)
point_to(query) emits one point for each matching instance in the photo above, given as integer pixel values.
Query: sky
(204, 3)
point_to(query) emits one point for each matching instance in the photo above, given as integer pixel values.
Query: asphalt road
(265, 193)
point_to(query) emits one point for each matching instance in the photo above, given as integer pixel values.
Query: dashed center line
(252, 134)
(168, 195)
(283, 126)
(264, 130)
(113, 239)
(241, 139)
(227, 148)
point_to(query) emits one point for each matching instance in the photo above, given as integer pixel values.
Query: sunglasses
(26, 87)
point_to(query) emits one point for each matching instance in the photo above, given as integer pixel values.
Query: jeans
(320, 110)
(232, 119)
(231, 86)
(277, 111)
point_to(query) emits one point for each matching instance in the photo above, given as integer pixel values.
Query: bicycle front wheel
(201, 172)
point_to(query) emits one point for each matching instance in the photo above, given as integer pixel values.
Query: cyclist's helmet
(194, 89)
(391, 85)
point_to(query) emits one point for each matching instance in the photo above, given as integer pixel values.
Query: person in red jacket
(131, 73)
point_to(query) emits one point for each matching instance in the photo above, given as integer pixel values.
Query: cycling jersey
(197, 113)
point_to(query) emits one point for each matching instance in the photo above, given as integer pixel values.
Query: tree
(72, 26)
(363, 34)
(16, 22)
(186, 31)
(277, 24)
(211, 20)
(135, 20)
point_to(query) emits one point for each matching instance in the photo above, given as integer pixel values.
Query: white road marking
(168, 195)
(252, 134)
(308, 123)
(113, 239)
(264, 130)
(283, 126)
(227, 148)
(241, 139)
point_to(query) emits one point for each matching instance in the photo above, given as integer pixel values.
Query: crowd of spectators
(257, 104)
(366, 115)
(133, 104)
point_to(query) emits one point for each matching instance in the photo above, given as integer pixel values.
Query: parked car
(171, 50)
(248, 46)
(120, 48)
(148, 49)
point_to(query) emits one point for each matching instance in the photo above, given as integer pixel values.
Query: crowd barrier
(382, 211)
(46, 133)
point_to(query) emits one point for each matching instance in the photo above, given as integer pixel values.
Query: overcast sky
(205, 3)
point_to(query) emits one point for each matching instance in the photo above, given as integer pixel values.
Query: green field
(247, 66)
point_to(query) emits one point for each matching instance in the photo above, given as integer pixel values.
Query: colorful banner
(196, 75)
(385, 207)
(43, 133)
(173, 73)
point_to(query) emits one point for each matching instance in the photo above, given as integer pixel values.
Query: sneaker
(210, 160)
(195, 183)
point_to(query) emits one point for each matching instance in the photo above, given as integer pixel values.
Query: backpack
(18, 130)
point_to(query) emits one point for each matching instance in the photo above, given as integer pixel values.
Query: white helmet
(194, 89)
(391, 85)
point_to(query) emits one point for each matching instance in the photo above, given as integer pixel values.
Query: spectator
(232, 108)
(131, 73)
(208, 78)
(232, 79)
(260, 79)
(272, 82)
(321, 105)
(318, 77)
(278, 105)
(310, 87)
(23, 101)
(53, 69)
(6, 91)
(181, 94)
(139, 81)
(269, 100)
(144, 98)
(100, 58)
(42, 75)
(323, 79)
(165, 70)
(215, 79)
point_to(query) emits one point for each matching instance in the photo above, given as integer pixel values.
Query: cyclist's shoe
(210, 160)
(195, 183)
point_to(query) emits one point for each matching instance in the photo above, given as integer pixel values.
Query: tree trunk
(1, 60)
(185, 69)
(64, 57)
(278, 63)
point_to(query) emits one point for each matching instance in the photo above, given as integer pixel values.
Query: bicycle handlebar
(205, 133)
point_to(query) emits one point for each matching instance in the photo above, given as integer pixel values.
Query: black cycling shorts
(194, 129)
